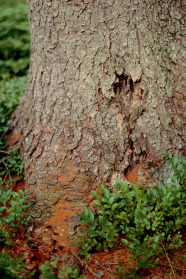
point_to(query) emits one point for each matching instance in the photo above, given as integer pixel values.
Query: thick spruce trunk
(105, 94)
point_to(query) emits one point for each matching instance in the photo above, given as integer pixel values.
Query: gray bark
(105, 93)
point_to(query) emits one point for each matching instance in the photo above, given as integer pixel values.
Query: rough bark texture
(105, 93)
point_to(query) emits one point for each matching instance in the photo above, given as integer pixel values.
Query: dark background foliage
(14, 38)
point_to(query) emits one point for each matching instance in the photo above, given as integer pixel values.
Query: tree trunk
(105, 96)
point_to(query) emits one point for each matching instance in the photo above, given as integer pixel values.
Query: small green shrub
(12, 163)
(178, 168)
(70, 273)
(12, 213)
(150, 218)
(48, 268)
(11, 268)
(122, 273)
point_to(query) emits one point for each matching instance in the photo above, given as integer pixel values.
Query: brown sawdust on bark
(60, 218)
(70, 169)
(133, 175)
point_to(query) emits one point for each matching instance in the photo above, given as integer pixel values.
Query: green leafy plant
(12, 163)
(178, 168)
(70, 273)
(11, 268)
(12, 213)
(49, 268)
(150, 218)
(124, 273)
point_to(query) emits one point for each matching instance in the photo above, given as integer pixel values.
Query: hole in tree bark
(121, 82)
(131, 84)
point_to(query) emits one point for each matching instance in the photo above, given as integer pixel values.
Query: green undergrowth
(11, 268)
(12, 213)
(48, 269)
(149, 219)
(12, 204)
(17, 269)
(11, 91)
(14, 38)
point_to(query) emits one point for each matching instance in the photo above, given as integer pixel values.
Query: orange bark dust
(69, 176)
(19, 185)
(133, 175)
(60, 219)
(13, 139)
(64, 219)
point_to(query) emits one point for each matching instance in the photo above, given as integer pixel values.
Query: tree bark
(105, 95)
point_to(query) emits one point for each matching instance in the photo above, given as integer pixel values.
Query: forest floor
(38, 249)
